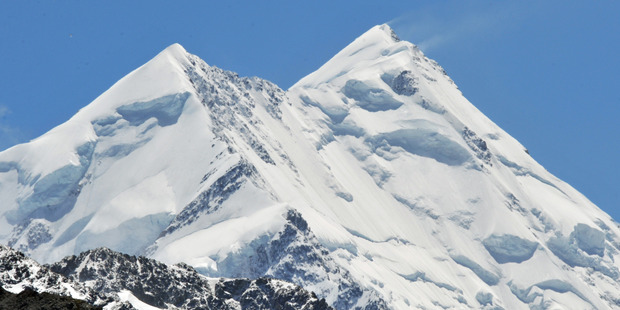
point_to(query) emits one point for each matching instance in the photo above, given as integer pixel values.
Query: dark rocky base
(29, 299)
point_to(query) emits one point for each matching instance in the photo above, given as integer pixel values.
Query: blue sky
(546, 72)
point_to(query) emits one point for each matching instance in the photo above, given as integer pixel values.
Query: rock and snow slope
(115, 281)
(18, 273)
(372, 182)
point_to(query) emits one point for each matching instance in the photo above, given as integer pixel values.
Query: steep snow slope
(372, 182)
(484, 223)
(118, 172)
(490, 214)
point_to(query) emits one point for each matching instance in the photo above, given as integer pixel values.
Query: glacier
(372, 182)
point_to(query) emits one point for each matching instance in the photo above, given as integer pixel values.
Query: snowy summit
(371, 182)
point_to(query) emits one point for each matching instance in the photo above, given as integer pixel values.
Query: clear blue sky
(546, 72)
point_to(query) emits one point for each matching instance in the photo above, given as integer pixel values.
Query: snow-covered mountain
(372, 182)
(115, 281)
(18, 273)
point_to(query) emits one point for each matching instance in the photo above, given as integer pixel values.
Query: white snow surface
(398, 176)
(126, 295)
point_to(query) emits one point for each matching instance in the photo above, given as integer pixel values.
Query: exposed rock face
(29, 299)
(295, 253)
(265, 293)
(18, 272)
(180, 286)
(101, 277)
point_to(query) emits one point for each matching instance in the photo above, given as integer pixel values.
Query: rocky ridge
(103, 278)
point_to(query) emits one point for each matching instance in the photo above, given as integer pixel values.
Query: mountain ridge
(105, 279)
(403, 185)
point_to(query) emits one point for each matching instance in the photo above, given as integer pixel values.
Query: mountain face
(372, 182)
(179, 287)
(37, 285)
(105, 279)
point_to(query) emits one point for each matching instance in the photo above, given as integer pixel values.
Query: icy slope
(457, 210)
(372, 182)
(117, 172)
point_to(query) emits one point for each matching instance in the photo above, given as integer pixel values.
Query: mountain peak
(174, 51)
(378, 35)
(162, 75)
(387, 30)
(372, 182)
(175, 48)
(377, 45)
